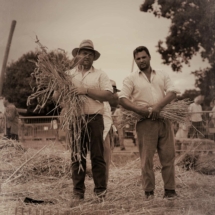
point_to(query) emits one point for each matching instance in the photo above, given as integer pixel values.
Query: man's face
(142, 60)
(88, 57)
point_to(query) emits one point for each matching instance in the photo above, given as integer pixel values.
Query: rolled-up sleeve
(104, 82)
(127, 88)
(169, 86)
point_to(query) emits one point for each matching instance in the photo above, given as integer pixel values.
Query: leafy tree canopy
(20, 82)
(191, 94)
(192, 31)
(18, 79)
(192, 28)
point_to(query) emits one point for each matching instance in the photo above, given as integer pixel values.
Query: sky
(116, 28)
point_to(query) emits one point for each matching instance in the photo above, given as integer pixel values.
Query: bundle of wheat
(176, 112)
(10, 152)
(47, 165)
(50, 75)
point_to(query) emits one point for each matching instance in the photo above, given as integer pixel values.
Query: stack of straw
(51, 77)
(176, 112)
(7, 143)
(124, 196)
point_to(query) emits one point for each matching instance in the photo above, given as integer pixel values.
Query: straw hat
(86, 44)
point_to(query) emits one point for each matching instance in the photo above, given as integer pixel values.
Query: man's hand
(55, 95)
(156, 109)
(80, 90)
(154, 112)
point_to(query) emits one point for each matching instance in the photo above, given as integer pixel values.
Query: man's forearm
(127, 104)
(170, 96)
(100, 95)
(55, 95)
(114, 101)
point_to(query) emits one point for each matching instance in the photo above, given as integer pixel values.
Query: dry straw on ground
(47, 177)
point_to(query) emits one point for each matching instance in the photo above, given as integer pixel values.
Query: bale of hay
(206, 164)
(10, 153)
(9, 143)
(47, 164)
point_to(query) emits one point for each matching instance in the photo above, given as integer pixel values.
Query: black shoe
(169, 194)
(149, 194)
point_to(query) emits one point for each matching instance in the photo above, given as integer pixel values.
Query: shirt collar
(92, 69)
(153, 71)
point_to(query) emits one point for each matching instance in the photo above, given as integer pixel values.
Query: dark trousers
(92, 139)
(196, 130)
(10, 135)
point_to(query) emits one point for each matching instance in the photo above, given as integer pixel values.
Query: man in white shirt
(96, 86)
(212, 115)
(195, 109)
(12, 119)
(150, 91)
(116, 119)
(108, 134)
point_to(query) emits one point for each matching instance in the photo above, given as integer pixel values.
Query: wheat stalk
(50, 76)
(176, 112)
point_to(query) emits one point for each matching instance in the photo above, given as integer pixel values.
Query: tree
(18, 79)
(192, 31)
(191, 94)
(20, 82)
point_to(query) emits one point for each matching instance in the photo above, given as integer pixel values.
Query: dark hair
(140, 49)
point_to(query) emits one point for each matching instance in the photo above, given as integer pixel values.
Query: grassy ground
(46, 176)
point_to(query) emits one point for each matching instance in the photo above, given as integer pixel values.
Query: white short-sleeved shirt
(93, 79)
(195, 117)
(141, 91)
(212, 115)
(107, 117)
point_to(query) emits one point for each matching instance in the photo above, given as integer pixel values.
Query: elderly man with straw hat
(96, 87)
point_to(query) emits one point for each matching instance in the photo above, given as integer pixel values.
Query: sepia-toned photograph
(107, 107)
